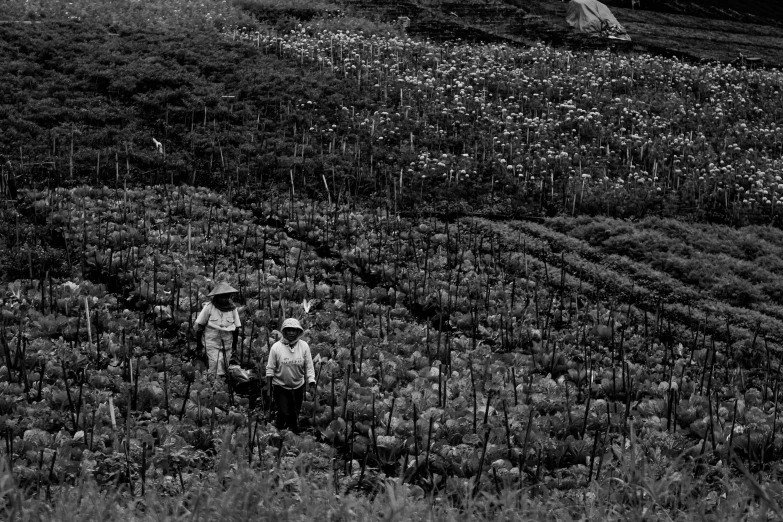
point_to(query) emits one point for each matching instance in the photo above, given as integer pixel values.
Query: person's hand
(311, 389)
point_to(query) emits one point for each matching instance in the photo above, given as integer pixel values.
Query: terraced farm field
(538, 282)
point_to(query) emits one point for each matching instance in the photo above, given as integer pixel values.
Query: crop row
(517, 129)
(447, 349)
(573, 126)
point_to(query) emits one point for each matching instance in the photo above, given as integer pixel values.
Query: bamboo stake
(113, 425)
(87, 314)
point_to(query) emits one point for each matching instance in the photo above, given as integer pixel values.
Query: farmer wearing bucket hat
(290, 362)
(219, 323)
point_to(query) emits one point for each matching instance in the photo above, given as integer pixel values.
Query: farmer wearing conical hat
(290, 362)
(219, 323)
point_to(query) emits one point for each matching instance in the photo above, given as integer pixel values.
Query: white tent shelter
(593, 18)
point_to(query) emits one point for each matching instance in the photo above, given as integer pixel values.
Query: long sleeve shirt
(288, 365)
(212, 317)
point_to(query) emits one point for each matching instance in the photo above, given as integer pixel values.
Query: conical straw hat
(223, 288)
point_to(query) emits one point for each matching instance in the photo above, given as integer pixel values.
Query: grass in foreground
(288, 491)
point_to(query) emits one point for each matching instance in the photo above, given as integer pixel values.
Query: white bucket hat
(292, 323)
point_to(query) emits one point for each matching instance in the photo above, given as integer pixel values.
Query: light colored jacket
(289, 364)
(211, 317)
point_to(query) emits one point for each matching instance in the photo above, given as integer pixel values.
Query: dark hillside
(697, 31)
(751, 11)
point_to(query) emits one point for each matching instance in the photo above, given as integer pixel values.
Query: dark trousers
(289, 404)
